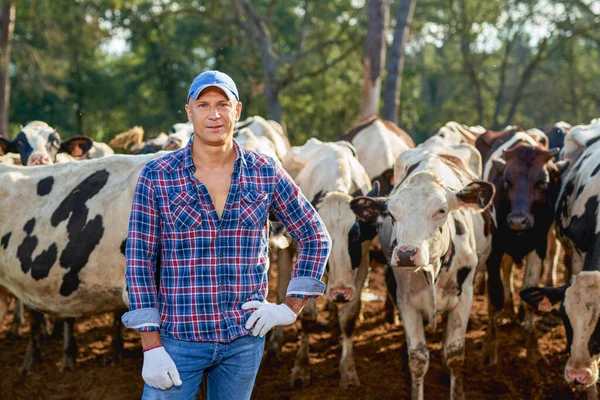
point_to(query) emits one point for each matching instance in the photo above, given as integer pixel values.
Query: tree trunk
(395, 62)
(375, 44)
(7, 25)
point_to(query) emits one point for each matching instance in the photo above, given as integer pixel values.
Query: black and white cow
(578, 222)
(441, 233)
(330, 174)
(62, 239)
(40, 144)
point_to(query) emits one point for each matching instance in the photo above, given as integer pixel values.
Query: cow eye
(440, 213)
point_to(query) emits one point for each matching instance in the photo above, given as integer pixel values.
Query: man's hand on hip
(267, 315)
(159, 370)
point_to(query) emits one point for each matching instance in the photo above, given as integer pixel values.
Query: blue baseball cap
(213, 78)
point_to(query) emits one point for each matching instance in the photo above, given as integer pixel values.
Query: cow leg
(69, 346)
(390, 299)
(533, 271)
(5, 299)
(333, 323)
(454, 341)
(284, 274)
(591, 393)
(495, 302)
(33, 354)
(551, 260)
(300, 376)
(117, 339)
(509, 288)
(348, 318)
(418, 353)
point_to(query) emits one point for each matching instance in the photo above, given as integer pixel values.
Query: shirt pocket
(185, 211)
(253, 208)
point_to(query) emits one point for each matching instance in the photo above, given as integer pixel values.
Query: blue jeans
(230, 368)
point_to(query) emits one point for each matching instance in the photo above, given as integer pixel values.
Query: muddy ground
(376, 349)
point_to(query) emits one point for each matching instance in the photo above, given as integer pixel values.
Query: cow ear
(499, 165)
(367, 209)
(6, 146)
(374, 192)
(477, 195)
(543, 298)
(77, 146)
(559, 168)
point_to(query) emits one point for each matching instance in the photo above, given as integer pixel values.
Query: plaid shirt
(209, 266)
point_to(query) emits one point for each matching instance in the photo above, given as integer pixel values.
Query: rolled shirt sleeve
(141, 253)
(306, 227)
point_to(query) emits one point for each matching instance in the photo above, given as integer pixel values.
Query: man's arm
(306, 227)
(140, 258)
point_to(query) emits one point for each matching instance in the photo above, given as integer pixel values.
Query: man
(197, 251)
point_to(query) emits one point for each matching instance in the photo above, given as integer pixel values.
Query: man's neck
(213, 157)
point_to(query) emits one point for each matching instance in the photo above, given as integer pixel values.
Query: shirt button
(220, 255)
(221, 283)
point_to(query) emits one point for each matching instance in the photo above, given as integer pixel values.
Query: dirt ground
(376, 350)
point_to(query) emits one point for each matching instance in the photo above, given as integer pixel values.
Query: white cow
(269, 129)
(330, 174)
(437, 243)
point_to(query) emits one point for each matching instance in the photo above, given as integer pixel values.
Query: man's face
(213, 116)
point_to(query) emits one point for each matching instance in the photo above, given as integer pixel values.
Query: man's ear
(367, 209)
(188, 112)
(477, 196)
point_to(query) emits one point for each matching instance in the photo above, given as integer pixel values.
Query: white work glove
(159, 370)
(267, 315)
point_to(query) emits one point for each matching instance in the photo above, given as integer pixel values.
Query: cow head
(350, 239)
(420, 212)
(528, 176)
(180, 135)
(581, 311)
(38, 144)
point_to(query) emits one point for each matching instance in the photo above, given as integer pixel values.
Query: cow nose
(39, 159)
(407, 255)
(340, 294)
(518, 222)
(578, 376)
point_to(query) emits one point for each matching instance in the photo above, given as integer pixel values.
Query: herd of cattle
(447, 217)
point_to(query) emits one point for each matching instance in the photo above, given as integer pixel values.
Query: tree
(395, 62)
(375, 46)
(281, 70)
(7, 24)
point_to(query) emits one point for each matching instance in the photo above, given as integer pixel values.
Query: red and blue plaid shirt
(210, 266)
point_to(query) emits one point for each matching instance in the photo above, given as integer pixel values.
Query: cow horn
(553, 152)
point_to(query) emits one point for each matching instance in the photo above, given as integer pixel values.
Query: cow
(527, 182)
(260, 144)
(580, 308)
(267, 128)
(441, 232)
(330, 175)
(62, 240)
(39, 144)
(578, 223)
(378, 143)
(577, 138)
(454, 133)
(180, 136)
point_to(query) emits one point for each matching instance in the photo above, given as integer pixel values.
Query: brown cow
(527, 182)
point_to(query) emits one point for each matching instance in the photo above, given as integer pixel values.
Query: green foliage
(62, 73)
